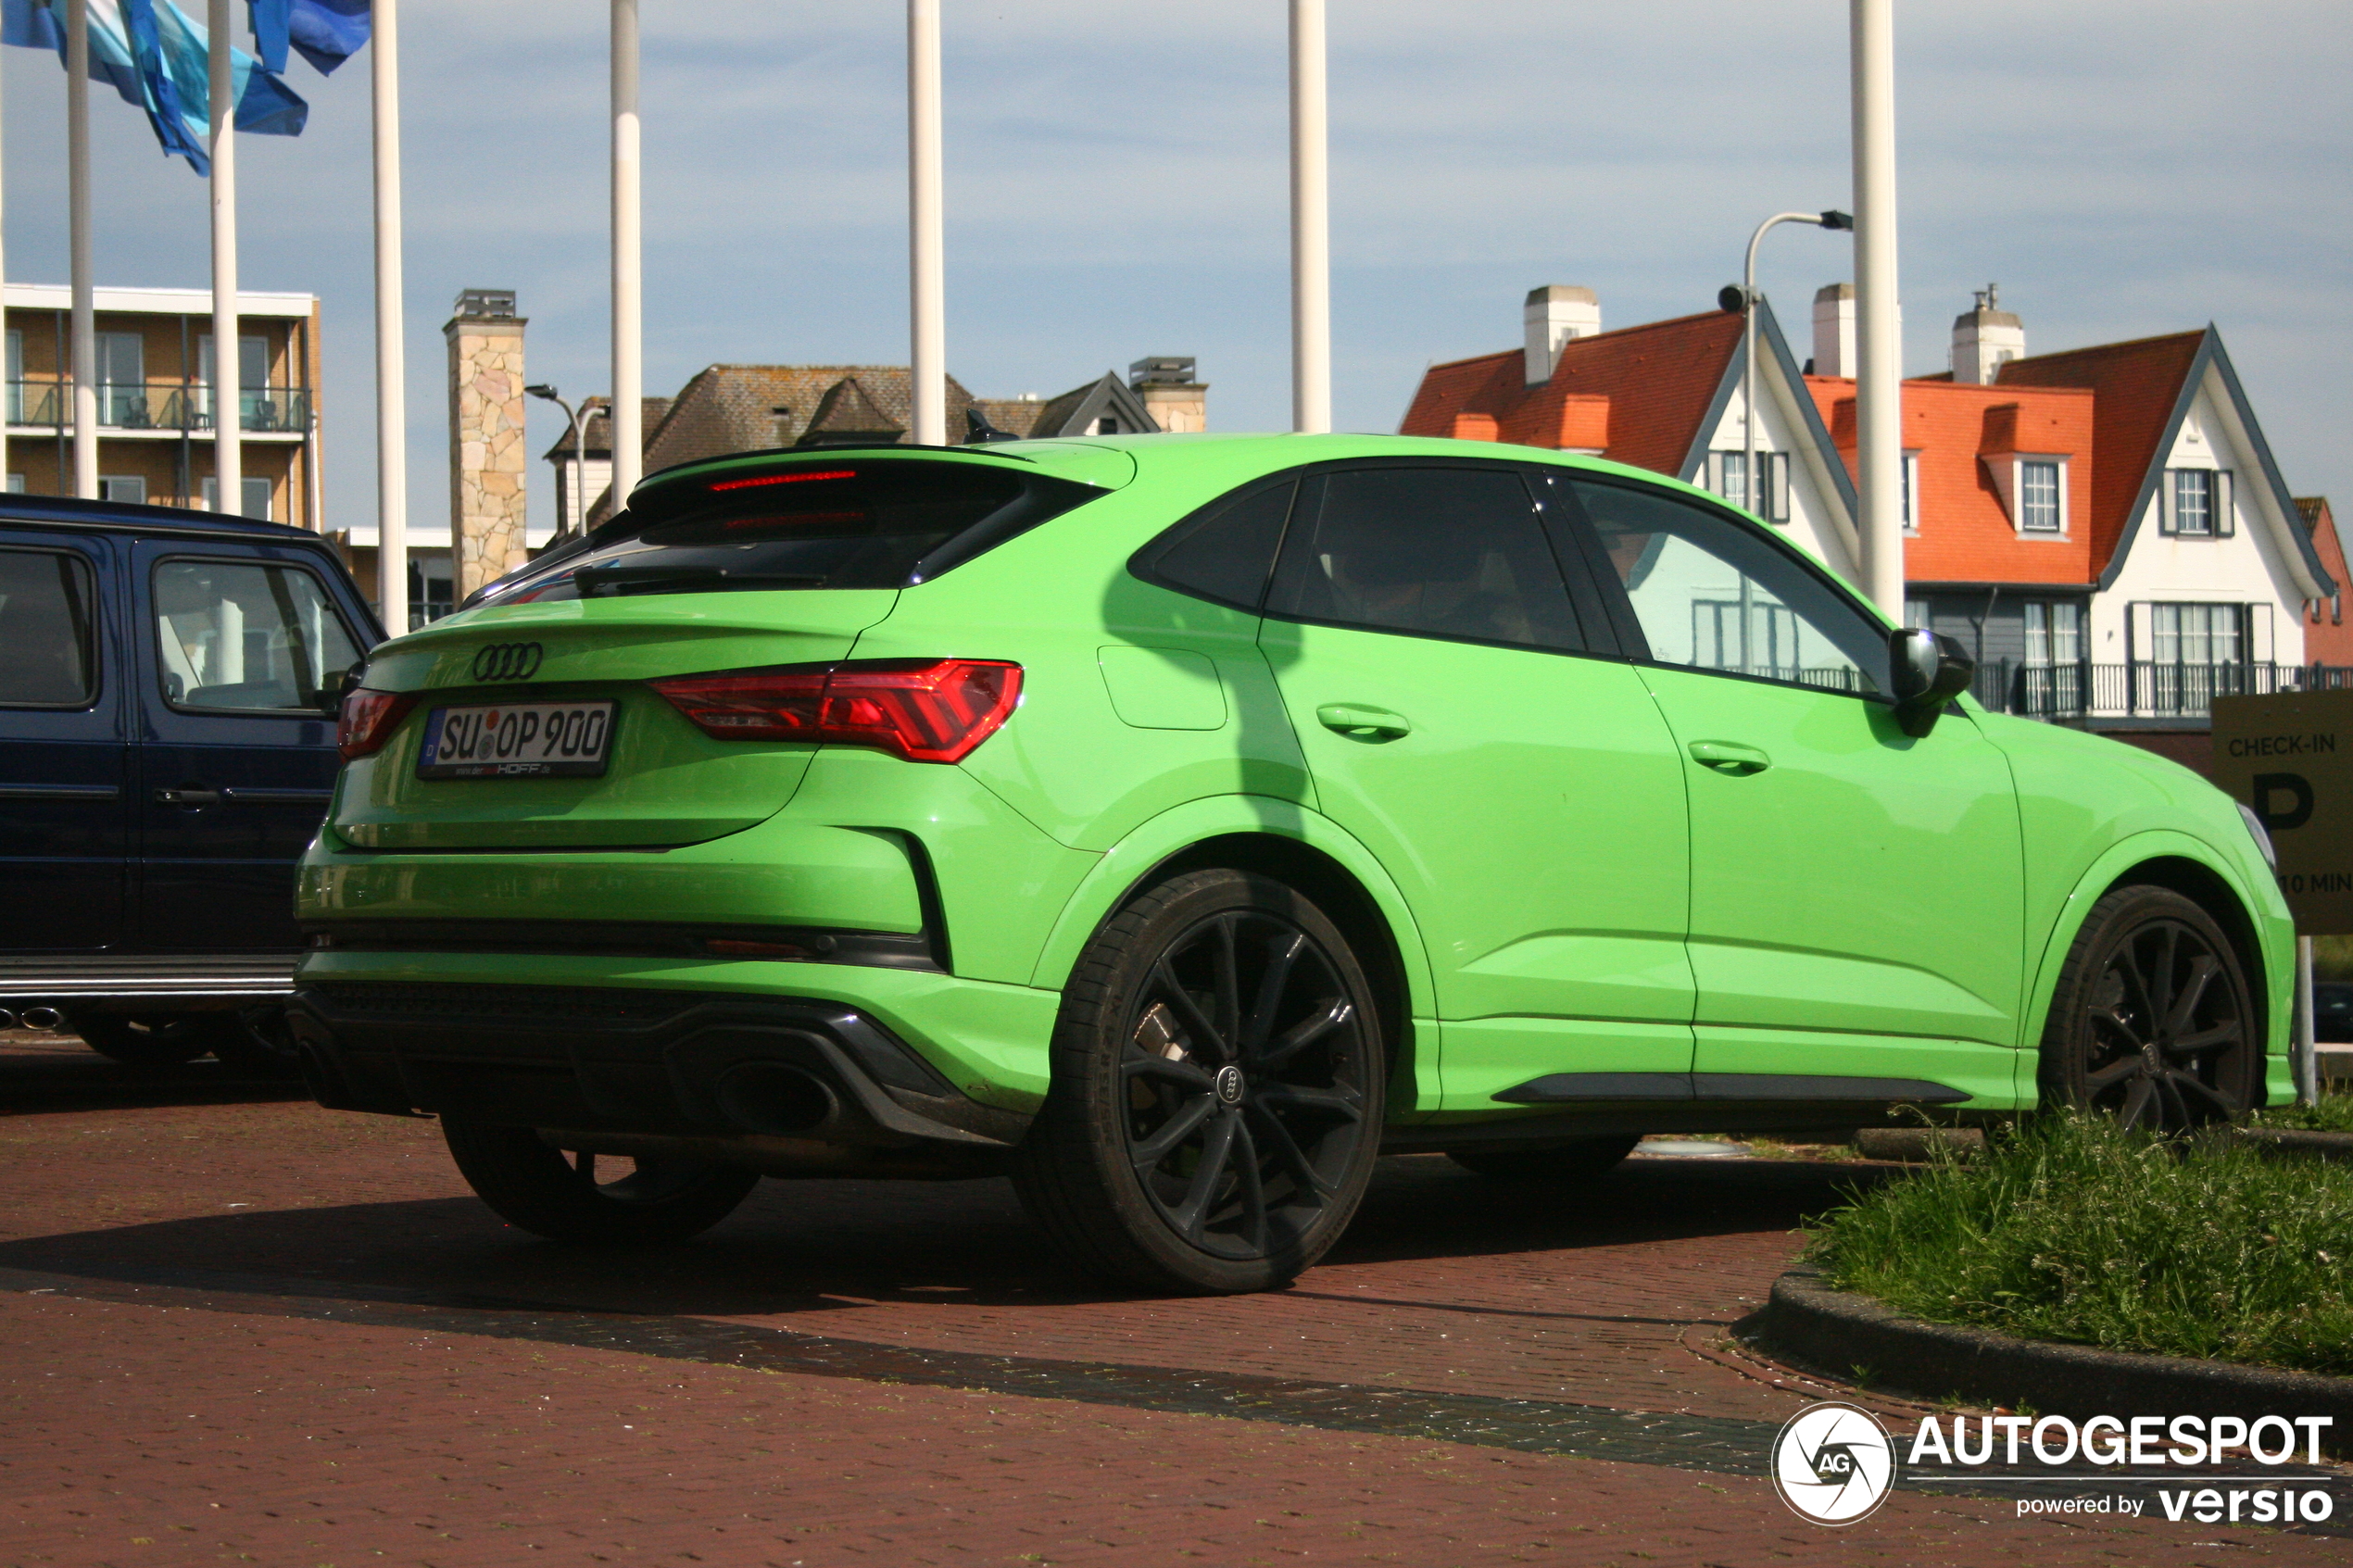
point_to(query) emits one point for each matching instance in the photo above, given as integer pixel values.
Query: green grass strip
(2065, 1228)
(2334, 1114)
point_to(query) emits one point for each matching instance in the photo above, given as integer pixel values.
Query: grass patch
(2065, 1228)
(2333, 1114)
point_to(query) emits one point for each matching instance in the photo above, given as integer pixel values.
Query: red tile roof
(2327, 638)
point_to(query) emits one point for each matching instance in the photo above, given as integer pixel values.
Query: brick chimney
(1834, 330)
(1554, 314)
(486, 451)
(1985, 339)
(1177, 402)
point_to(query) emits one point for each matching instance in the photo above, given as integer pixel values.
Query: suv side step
(138, 980)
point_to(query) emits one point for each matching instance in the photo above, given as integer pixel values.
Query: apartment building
(156, 405)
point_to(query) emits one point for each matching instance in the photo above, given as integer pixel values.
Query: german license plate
(518, 740)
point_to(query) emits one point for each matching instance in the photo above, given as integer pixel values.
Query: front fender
(1124, 866)
(2267, 913)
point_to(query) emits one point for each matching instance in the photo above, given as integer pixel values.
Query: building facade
(156, 405)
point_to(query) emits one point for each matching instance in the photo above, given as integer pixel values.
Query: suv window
(844, 522)
(1225, 551)
(1436, 552)
(240, 636)
(1710, 594)
(49, 653)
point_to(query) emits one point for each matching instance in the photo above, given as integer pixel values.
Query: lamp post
(579, 452)
(1749, 488)
(1311, 256)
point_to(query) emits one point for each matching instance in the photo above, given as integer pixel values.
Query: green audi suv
(1176, 823)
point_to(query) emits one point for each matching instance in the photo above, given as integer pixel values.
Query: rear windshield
(846, 523)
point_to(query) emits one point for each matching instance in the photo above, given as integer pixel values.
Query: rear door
(241, 650)
(1466, 719)
(65, 775)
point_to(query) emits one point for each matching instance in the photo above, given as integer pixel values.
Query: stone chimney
(1554, 314)
(486, 451)
(1985, 339)
(1177, 402)
(1834, 330)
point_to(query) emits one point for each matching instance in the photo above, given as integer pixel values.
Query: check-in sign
(2291, 759)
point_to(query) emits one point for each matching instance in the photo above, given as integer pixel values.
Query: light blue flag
(153, 54)
(326, 31)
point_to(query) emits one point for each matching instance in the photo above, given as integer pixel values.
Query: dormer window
(2038, 496)
(2196, 504)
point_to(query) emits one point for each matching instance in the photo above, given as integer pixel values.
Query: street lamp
(546, 390)
(1746, 304)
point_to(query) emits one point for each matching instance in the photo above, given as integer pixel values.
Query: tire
(556, 1195)
(259, 1044)
(162, 1039)
(2152, 1022)
(1578, 1161)
(1218, 1082)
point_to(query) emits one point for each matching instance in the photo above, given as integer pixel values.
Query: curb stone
(1827, 1328)
(2296, 1141)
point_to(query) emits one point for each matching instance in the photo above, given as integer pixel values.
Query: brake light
(918, 710)
(782, 479)
(368, 720)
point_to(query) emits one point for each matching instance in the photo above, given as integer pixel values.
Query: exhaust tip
(767, 1097)
(46, 1018)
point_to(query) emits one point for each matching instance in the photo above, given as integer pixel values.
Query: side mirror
(1928, 671)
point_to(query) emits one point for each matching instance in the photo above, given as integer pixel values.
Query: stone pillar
(486, 451)
(1177, 402)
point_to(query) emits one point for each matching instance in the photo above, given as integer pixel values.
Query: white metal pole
(228, 378)
(9, 396)
(1311, 250)
(85, 341)
(392, 371)
(1878, 384)
(926, 239)
(628, 293)
(2306, 1060)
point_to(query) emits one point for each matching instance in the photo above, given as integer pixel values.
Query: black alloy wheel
(1218, 1084)
(558, 1193)
(166, 1039)
(2152, 1022)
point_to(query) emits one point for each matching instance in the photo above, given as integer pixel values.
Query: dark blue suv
(167, 689)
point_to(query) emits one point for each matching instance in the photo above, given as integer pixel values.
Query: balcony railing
(2143, 690)
(168, 406)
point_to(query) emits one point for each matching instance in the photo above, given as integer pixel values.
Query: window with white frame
(1911, 477)
(257, 493)
(2038, 496)
(2195, 504)
(121, 488)
(2197, 634)
(1916, 613)
(1727, 477)
(2055, 633)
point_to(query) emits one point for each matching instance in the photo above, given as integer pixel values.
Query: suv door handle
(187, 798)
(1360, 722)
(1729, 757)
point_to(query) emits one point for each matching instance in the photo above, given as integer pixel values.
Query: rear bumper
(666, 1063)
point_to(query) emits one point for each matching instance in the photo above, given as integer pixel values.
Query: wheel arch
(2184, 865)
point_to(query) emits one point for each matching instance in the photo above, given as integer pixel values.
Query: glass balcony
(165, 406)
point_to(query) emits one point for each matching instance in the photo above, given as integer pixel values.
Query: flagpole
(927, 267)
(628, 279)
(1311, 255)
(228, 364)
(1878, 382)
(392, 378)
(85, 343)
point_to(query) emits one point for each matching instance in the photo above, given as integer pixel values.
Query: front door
(64, 760)
(1857, 894)
(1468, 721)
(243, 649)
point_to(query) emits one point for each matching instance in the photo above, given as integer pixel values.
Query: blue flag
(154, 55)
(326, 31)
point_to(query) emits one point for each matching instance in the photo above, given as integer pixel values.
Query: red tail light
(922, 711)
(368, 720)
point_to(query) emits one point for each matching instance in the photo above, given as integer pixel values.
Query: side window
(1225, 551)
(1710, 594)
(48, 643)
(239, 636)
(1438, 552)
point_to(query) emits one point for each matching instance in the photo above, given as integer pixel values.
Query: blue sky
(1117, 187)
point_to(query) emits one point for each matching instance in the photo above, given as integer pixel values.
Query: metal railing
(158, 406)
(2140, 690)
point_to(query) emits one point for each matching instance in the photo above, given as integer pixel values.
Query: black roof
(73, 512)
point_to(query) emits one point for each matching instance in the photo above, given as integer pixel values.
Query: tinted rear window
(845, 523)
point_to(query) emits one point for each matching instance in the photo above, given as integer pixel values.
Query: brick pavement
(141, 1422)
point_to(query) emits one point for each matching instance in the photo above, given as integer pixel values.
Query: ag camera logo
(1833, 1464)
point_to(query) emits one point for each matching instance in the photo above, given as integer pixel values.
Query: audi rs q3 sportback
(1176, 823)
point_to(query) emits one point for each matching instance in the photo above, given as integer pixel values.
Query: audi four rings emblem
(507, 661)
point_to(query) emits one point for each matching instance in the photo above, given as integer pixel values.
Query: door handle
(1729, 757)
(187, 798)
(1360, 722)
